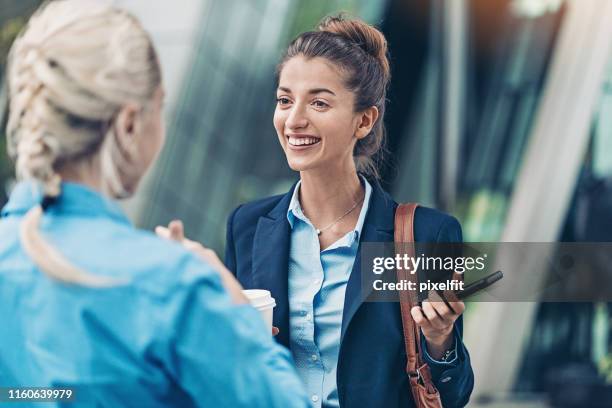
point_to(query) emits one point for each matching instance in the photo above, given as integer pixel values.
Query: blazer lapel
(271, 262)
(378, 227)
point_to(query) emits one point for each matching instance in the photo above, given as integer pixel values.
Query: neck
(325, 195)
(86, 172)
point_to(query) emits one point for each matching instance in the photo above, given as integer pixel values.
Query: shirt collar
(295, 209)
(74, 198)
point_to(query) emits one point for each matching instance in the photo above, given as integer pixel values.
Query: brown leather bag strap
(404, 244)
(417, 370)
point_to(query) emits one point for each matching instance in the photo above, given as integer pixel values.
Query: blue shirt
(169, 337)
(317, 284)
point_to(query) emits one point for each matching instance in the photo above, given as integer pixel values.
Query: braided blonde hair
(71, 70)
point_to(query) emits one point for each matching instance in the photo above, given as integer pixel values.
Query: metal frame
(453, 100)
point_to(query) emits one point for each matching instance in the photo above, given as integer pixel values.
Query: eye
(320, 104)
(283, 100)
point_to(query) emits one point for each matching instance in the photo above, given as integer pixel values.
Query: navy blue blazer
(372, 359)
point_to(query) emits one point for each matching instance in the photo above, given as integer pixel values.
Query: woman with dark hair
(304, 246)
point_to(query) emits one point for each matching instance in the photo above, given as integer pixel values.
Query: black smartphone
(479, 285)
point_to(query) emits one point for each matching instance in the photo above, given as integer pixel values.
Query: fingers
(418, 316)
(425, 322)
(450, 300)
(448, 311)
(458, 307)
(435, 314)
(177, 231)
(434, 318)
(275, 331)
(162, 232)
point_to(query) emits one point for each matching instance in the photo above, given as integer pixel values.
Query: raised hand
(176, 232)
(436, 318)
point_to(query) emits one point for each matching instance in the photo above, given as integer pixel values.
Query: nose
(297, 118)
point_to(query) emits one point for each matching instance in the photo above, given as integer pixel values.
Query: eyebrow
(311, 91)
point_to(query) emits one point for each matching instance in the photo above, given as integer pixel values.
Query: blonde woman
(87, 301)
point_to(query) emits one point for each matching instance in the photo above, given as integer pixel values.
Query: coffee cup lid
(259, 297)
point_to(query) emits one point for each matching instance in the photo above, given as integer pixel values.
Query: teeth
(300, 141)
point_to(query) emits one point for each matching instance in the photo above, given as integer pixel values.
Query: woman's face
(314, 117)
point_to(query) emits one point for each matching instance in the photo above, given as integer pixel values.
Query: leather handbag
(423, 389)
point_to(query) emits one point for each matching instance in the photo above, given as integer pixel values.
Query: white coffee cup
(263, 301)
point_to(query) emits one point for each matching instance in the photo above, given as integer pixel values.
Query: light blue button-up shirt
(317, 284)
(169, 337)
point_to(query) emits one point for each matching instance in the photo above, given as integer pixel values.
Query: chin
(300, 164)
(129, 183)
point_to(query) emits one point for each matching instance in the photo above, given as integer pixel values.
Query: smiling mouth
(303, 141)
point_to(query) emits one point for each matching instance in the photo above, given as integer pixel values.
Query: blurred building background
(500, 112)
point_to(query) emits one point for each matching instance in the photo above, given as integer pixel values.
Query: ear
(366, 122)
(128, 128)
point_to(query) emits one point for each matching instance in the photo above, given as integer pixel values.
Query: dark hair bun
(367, 37)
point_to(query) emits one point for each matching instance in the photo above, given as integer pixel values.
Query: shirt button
(314, 398)
(446, 379)
(308, 316)
(314, 357)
